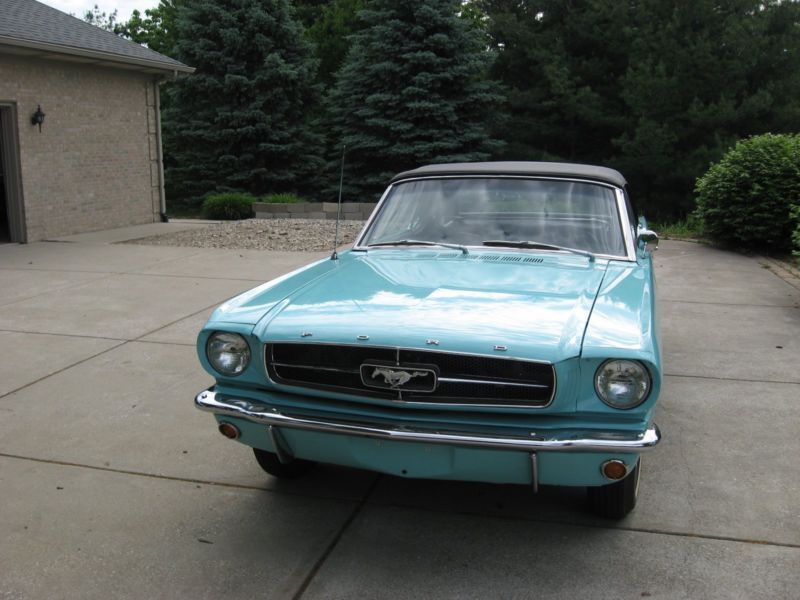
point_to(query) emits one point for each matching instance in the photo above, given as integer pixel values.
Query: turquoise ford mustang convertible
(493, 322)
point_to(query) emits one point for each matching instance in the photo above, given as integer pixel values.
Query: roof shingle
(31, 22)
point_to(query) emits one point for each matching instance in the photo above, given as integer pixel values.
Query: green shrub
(228, 206)
(796, 236)
(745, 199)
(282, 199)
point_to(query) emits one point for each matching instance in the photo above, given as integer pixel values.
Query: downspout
(160, 153)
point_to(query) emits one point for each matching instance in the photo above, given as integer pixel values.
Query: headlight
(622, 383)
(228, 353)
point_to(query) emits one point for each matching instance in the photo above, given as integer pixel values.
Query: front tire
(615, 500)
(291, 470)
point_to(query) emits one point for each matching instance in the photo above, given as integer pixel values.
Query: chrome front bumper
(562, 440)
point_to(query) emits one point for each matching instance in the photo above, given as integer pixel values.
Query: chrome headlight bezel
(228, 353)
(631, 373)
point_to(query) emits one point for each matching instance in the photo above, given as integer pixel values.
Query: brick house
(95, 160)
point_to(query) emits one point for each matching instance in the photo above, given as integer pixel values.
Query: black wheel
(291, 470)
(615, 500)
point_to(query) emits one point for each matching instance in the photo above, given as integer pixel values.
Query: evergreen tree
(331, 33)
(239, 122)
(411, 91)
(309, 12)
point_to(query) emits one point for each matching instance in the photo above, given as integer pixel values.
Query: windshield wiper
(536, 246)
(419, 243)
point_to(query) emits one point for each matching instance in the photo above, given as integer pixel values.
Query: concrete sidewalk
(113, 486)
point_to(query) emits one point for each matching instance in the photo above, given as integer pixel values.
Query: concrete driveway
(113, 486)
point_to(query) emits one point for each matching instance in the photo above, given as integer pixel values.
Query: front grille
(461, 378)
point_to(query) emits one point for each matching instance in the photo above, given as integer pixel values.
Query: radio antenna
(335, 256)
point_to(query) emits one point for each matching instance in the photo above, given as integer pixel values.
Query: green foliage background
(656, 88)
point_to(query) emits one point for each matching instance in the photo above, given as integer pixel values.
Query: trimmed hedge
(281, 199)
(228, 206)
(746, 199)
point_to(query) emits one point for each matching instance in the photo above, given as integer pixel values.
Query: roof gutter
(104, 57)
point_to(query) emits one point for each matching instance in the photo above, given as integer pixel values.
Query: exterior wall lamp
(38, 117)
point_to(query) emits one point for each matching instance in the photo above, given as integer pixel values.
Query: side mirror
(646, 238)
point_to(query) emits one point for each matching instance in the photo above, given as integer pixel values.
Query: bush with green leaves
(745, 199)
(282, 199)
(796, 236)
(228, 206)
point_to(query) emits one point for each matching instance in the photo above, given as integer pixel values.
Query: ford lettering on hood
(538, 309)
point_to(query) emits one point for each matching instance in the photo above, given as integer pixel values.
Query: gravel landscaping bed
(296, 235)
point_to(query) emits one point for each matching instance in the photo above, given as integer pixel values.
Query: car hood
(534, 306)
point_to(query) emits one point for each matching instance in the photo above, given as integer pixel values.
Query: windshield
(471, 211)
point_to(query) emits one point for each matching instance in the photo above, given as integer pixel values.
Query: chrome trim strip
(564, 440)
(362, 234)
(315, 368)
(437, 350)
(627, 226)
(487, 382)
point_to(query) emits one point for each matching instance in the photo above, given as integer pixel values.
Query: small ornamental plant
(746, 199)
(228, 206)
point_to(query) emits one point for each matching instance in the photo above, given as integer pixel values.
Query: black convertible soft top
(544, 169)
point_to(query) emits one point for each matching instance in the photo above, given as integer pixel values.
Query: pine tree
(331, 33)
(239, 122)
(411, 91)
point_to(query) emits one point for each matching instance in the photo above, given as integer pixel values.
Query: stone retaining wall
(351, 211)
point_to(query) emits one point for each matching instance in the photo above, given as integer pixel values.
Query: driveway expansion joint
(335, 541)
(218, 484)
(56, 290)
(608, 527)
(66, 368)
(171, 323)
(733, 379)
(364, 501)
(741, 304)
(68, 335)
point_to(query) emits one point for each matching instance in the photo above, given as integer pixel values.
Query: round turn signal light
(614, 469)
(229, 430)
